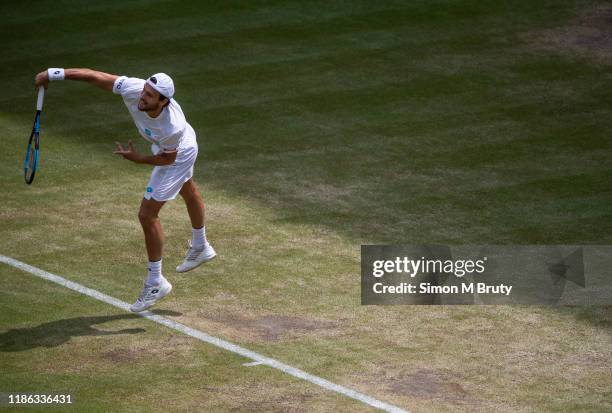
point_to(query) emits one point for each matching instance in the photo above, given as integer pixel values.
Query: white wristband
(55, 73)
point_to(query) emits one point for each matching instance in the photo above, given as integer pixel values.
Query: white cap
(162, 83)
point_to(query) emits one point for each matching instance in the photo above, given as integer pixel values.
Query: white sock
(154, 273)
(198, 237)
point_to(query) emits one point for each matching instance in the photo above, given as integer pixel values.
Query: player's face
(149, 99)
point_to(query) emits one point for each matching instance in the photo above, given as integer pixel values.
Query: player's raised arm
(100, 79)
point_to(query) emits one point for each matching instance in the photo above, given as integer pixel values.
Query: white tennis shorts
(166, 181)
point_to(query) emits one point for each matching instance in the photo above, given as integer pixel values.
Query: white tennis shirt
(169, 131)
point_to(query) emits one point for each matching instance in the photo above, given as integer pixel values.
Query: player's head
(157, 92)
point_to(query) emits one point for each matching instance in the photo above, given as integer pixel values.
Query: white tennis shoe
(195, 257)
(150, 295)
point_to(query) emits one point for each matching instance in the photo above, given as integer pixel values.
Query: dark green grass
(397, 108)
(322, 126)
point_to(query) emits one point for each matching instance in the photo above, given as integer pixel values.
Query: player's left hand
(129, 153)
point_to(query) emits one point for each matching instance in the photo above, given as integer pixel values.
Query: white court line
(226, 345)
(251, 364)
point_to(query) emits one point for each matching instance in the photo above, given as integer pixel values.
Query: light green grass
(321, 127)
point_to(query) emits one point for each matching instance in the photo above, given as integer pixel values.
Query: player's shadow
(58, 332)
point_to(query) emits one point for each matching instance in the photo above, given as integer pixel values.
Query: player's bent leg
(199, 249)
(194, 202)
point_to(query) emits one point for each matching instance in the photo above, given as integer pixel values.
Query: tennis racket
(31, 157)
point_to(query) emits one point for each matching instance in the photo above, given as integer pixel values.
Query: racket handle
(41, 95)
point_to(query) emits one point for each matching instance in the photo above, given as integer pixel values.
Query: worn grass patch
(587, 35)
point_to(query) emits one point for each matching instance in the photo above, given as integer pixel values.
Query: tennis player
(159, 119)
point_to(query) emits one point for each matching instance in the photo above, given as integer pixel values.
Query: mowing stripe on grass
(226, 345)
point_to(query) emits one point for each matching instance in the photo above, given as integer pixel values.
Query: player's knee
(188, 191)
(145, 217)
